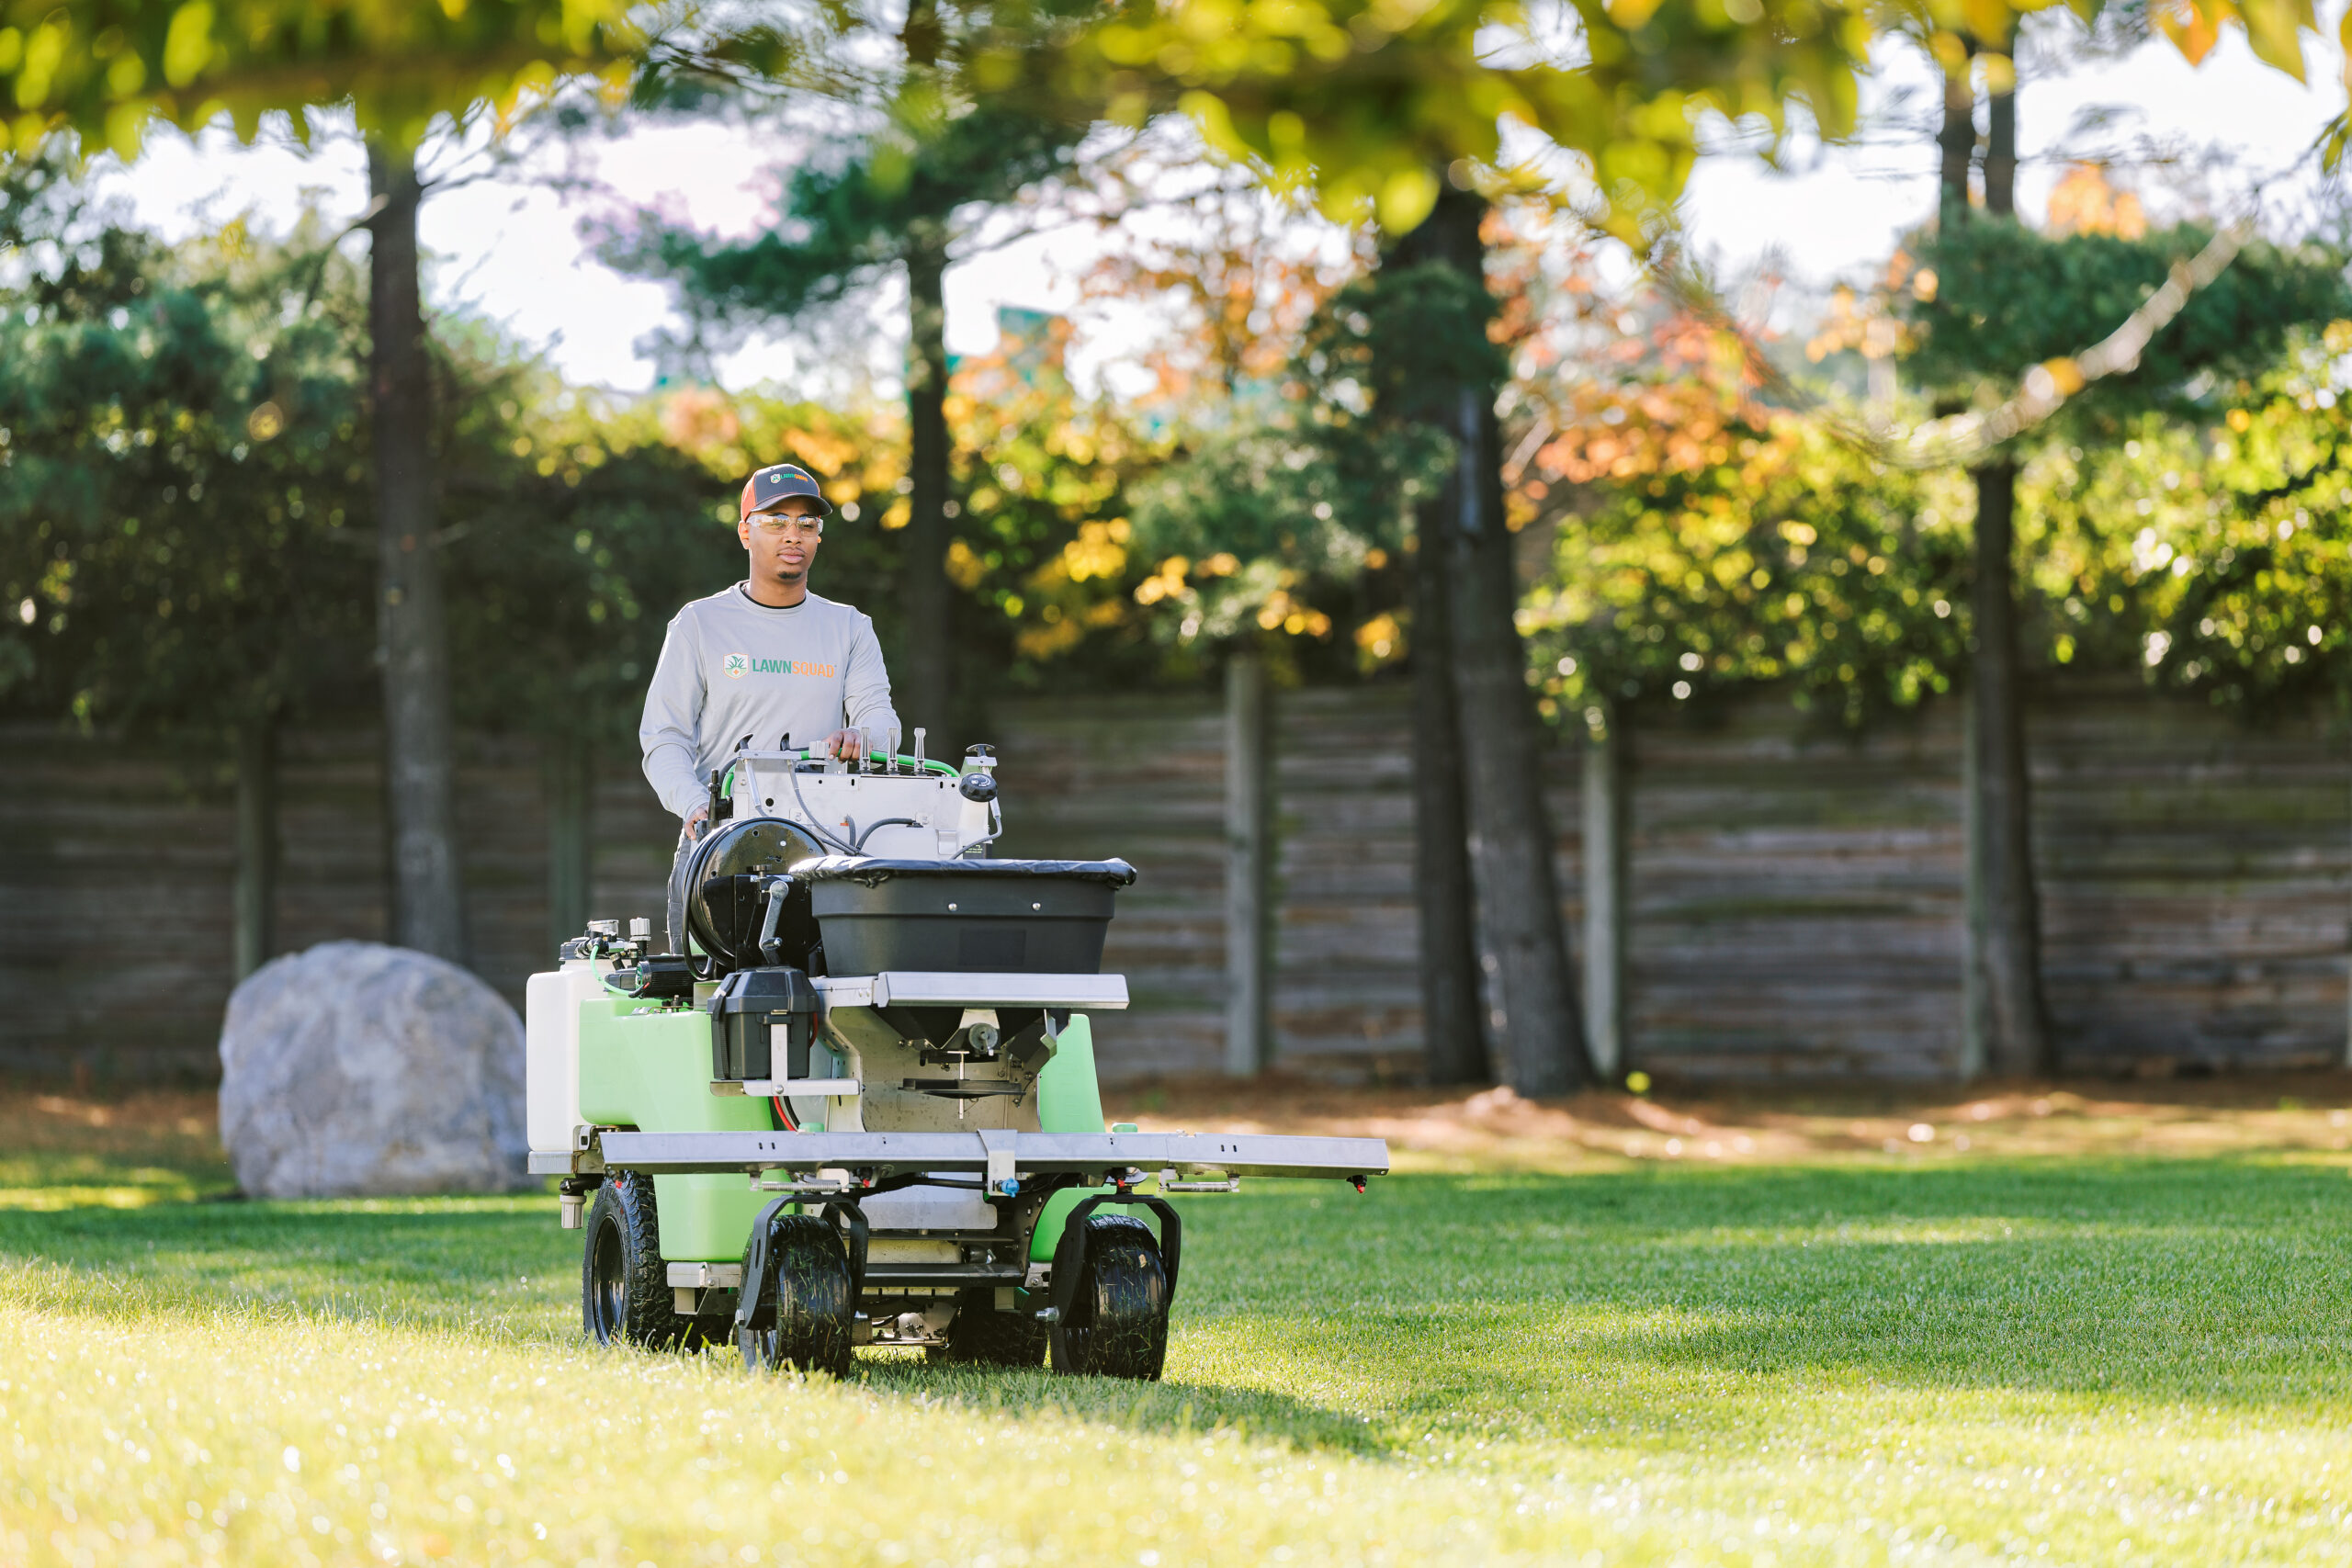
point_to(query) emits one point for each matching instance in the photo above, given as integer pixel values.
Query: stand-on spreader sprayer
(861, 1109)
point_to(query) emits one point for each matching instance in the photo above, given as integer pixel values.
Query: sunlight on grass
(248, 1439)
(2103, 1359)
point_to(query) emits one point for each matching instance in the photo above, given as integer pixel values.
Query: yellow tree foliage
(108, 69)
(2082, 202)
(1367, 103)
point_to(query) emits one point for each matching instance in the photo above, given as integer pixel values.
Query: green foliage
(1407, 337)
(106, 70)
(1042, 547)
(577, 526)
(1781, 556)
(1258, 536)
(843, 223)
(1365, 104)
(2214, 561)
(2208, 558)
(183, 539)
(573, 533)
(1294, 518)
(2005, 298)
(2265, 612)
(186, 521)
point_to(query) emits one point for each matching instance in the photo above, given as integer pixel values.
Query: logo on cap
(772, 486)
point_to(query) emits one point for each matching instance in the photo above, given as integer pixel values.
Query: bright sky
(513, 248)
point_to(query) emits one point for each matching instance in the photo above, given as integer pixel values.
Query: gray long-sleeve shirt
(731, 667)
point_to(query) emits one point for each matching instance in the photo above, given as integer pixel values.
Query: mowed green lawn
(1861, 1361)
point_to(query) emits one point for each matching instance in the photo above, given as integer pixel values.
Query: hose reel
(728, 881)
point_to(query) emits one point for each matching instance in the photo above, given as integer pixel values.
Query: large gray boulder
(353, 1069)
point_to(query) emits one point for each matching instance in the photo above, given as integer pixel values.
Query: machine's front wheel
(981, 1336)
(803, 1312)
(624, 1288)
(1117, 1325)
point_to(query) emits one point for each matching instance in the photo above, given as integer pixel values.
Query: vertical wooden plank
(1794, 905)
(1605, 880)
(1971, 1064)
(1346, 993)
(1248, 867)
(1792, 902)
(565, 776)
(2194, 881)
(254, 895)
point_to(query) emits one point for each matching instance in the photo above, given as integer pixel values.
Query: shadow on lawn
(1168, 1408)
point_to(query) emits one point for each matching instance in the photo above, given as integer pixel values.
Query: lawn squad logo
(735, 666)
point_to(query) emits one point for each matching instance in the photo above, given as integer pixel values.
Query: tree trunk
(926, 602)
(255, 898)
(1606, 916)
(2005, 924)
(1532, 1005)
(2009, 956)
(1249, 868)
(2001, 136)
(1956, 143)
(1453, 1038)
(427, 913)
(567, 794)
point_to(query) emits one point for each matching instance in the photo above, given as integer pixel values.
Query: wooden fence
(1794, 906)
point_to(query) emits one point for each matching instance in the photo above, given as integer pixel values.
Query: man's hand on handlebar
(841, 743)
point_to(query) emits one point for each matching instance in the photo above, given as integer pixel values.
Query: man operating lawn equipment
(852, 1102)
(763, 661)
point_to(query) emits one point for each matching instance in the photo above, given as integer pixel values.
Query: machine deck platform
(992, 1152)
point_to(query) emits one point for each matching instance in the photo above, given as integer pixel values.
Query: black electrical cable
(886, 822)
(793, 773)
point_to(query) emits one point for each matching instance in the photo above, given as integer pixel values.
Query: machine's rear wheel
(1117, 1325)
(805, 1301)
(981, 1336)
(624, 1288)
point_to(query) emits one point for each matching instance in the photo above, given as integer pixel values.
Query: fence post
(1605, 887)
(1249, 880)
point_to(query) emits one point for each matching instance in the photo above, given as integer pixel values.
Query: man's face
(783, 539)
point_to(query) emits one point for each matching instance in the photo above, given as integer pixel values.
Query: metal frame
(791, 1088)
(947, 987)
(892, 1153)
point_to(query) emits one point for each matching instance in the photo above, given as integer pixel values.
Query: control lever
(777, 888)
(919, 732)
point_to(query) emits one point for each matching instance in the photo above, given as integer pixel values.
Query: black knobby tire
(624, 1286)
(805, 1306)
(1117, 1325)
(981, 1336)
